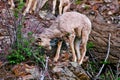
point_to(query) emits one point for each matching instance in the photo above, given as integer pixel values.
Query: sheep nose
(48, 48)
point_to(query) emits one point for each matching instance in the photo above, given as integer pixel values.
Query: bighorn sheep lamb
(73, 24)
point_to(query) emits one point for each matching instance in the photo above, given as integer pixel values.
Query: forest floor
(64, 69)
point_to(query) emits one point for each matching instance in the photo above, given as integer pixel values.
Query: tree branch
(108, 51)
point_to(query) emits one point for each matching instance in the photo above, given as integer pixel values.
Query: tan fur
(77, 26)
(12, 5)
(30, 6)
(63, 3)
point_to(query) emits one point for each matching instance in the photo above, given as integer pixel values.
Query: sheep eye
(39, 40)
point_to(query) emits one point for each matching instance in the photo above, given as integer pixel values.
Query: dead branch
(108, 51)
(93, 59)
(89, 74)
(118, 73)
(43, 73)
(35, 56)
(4, 64)
(112, 74)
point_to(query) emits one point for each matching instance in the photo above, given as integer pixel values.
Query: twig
(43, 73)
(46, 68)
(93, 59)
(108, 51)
(38, 59)
(4, 64)
(117, 74)
(113, 77)
(89, 74)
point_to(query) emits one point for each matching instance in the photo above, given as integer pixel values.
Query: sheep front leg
(58, 51)
(28, 7)
(85, 35)
(71, 42)
(54, 5)
(34, 6)
(60, 7)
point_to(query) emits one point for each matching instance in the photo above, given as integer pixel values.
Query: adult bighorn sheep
(30, 6)
(77, 26)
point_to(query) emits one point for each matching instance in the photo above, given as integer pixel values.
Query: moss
(78, 1)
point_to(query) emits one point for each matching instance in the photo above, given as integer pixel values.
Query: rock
(25, 71)
(68, 72)
(27, 77)
(83, 77)
(46, 15)
(110, 13)
(57, 69)
(74, 64)
(99, 36)
(71, 71)
(107, 1)
(67, 78)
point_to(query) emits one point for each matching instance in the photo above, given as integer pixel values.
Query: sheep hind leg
(71, 42)
(85, 36)
(66, 8)
(77, 47)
